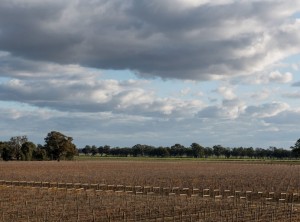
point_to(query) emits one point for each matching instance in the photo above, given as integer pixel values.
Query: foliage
(198, 150)
(296, 148)
(16, 143)
(59, 146)
(27, 149)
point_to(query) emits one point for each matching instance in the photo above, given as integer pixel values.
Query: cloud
(261, 95)
(288, 117)
(292, 95)
(200, 40)
(20, 68)
(280, 77)
(90, 94)
(229, 109)
(226, 92)
(296, 84)
(265, 77)
(54, 56)
(266, 110)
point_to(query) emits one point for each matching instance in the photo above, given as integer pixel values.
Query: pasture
(153, 190)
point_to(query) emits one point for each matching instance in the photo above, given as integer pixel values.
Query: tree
(87, 149)
(138, 150)
(249, 152)
(39, 153)
(197, 150)
(104, 150)
(6, 153)
(16, 143)
(59, 146)
(27, 149)
(227, 152)
(296, 149)
(218, 150)
(208, 152)
(177, 150)
(94, 150)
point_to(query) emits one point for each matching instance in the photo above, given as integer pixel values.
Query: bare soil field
(148, 191)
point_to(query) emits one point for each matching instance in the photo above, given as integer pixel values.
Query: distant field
(210, 159)
(149, 190)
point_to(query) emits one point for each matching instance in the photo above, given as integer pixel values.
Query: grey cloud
(234, 109)
(152, 38)
(296, 84)
(126, 130)
(229, 109)
(29, 30)
(292, 95)
(266, 109)
(92, 96)
(288, 117)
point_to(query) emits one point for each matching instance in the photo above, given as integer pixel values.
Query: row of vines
(148, 191)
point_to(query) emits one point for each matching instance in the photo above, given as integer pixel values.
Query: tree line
(60, 147)
(57, 147)
(194, 150)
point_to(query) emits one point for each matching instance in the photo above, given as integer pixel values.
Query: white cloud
(278, 77)
(227, 92)
(229, 109)
(185, 91)
(266, 78)
(96, 95)
(261, 95)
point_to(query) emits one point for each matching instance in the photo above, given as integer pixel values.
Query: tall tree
(16, 143)
(59, 146)
(27, 149)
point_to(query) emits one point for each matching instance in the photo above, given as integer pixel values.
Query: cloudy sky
(155, 72)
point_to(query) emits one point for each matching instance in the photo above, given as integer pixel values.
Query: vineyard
(149, 191)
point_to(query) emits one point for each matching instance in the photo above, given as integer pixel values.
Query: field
(120, 190)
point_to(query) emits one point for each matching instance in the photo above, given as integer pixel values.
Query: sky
(156, 72)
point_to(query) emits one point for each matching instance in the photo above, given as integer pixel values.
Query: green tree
(16, 143)
(6, 151)
(138, 150)
(87, 150)
(39, 153)
(104, 150)
(198, 150)
(218, 150)
(296, 149)
(178, 150)
(59, 146)
(27, 149)
(94, 150)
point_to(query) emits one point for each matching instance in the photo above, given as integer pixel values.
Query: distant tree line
(60, 147)
(194, 150)
(57, 147)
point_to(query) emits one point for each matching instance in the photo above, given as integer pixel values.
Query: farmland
(115, 190)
